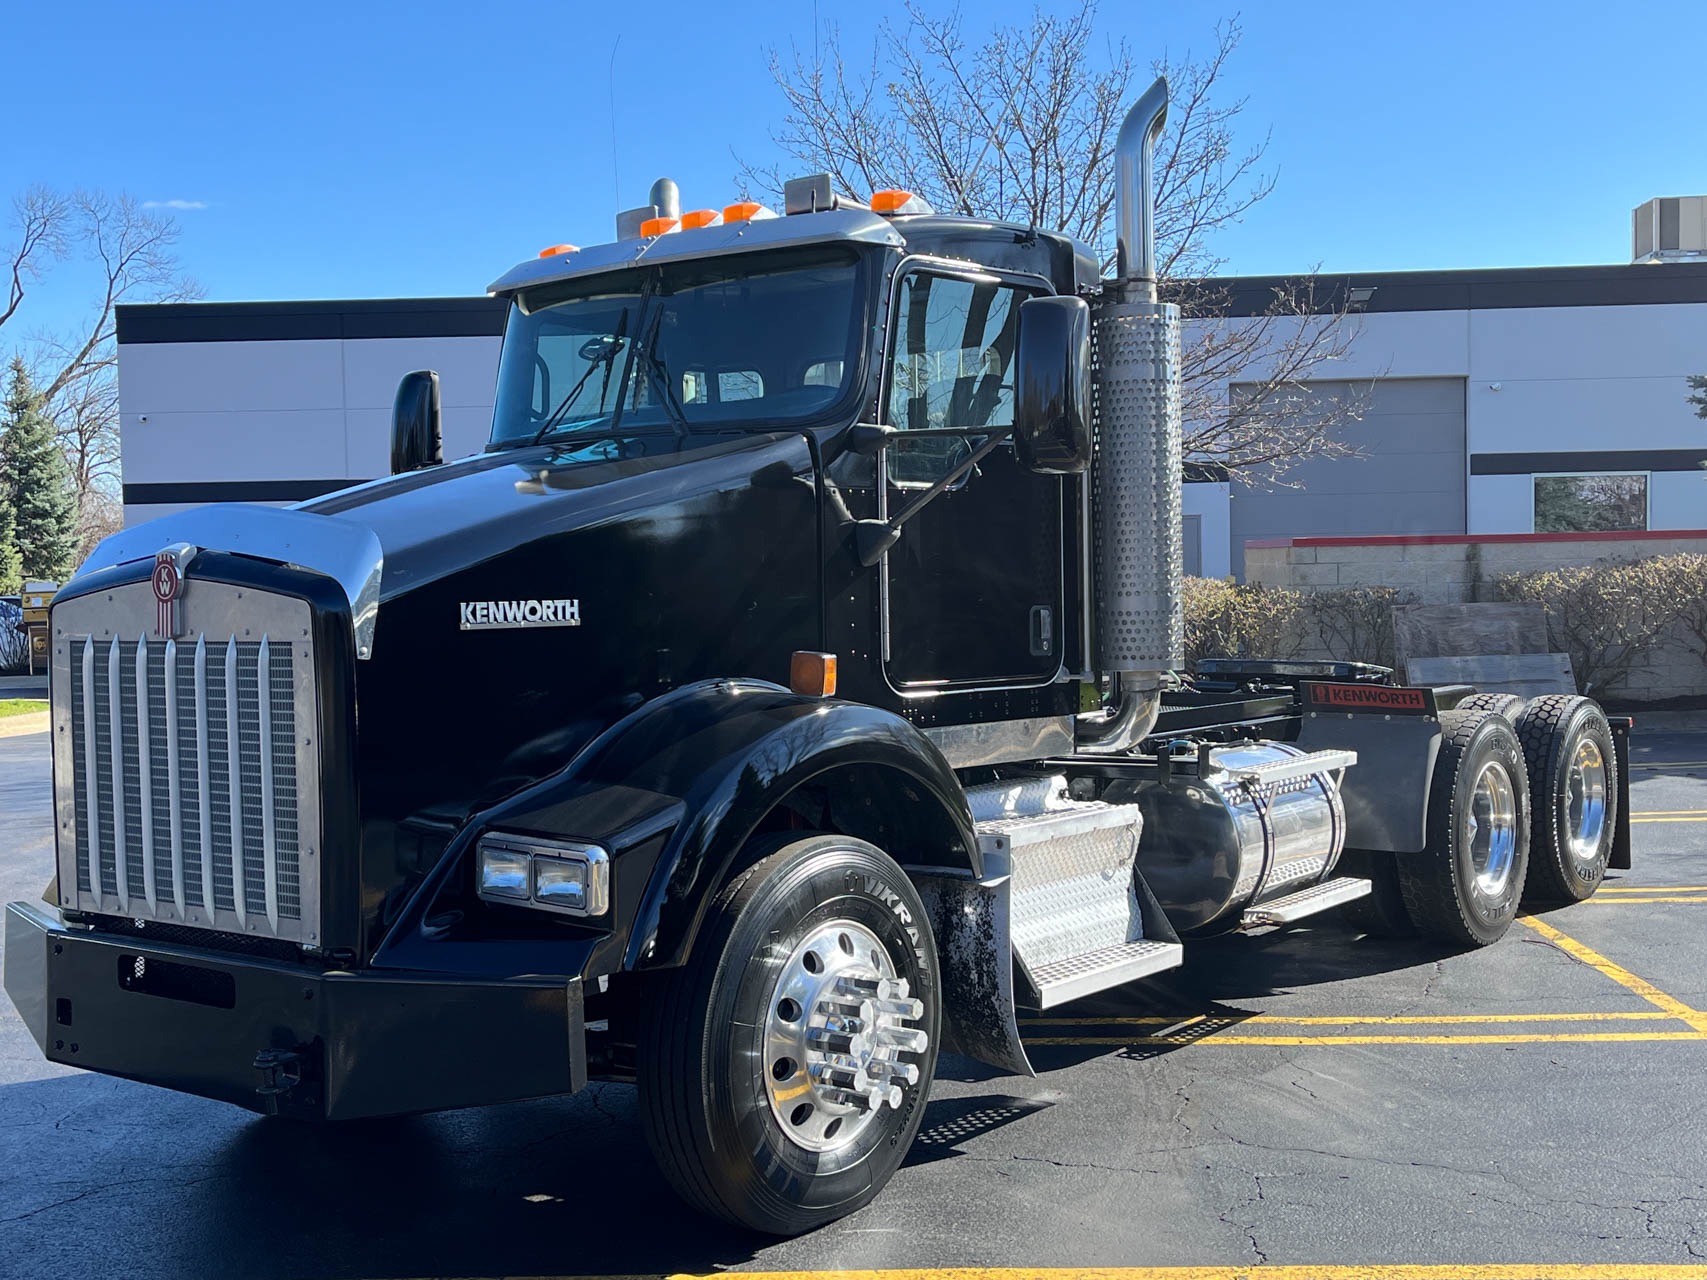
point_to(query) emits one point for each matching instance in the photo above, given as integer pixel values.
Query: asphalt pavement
(1308, 1097)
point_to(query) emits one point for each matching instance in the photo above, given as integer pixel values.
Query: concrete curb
(18, 726)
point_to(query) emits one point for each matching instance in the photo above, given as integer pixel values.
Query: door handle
(1042, 631)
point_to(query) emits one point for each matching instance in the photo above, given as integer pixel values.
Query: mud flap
(970, 918)
(1621, 726)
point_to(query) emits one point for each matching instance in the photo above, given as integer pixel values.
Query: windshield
(725, 344)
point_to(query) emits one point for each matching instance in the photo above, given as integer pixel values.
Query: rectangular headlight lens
(553, 875)
(560, 883)
(503, 873)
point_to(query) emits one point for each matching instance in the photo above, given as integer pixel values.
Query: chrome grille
(185, 767)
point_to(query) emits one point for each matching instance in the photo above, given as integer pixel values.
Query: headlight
(504, 873)
(553, 875)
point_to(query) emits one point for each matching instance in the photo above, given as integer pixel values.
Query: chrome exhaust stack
(1136, 475)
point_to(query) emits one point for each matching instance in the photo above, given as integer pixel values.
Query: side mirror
(1052, 386)
(417, 437)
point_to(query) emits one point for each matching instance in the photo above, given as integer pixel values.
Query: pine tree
(36, 485)
(11, 568)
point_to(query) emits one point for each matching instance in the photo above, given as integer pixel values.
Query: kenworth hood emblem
(170, 565)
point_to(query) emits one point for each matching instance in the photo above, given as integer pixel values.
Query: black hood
(436, 522)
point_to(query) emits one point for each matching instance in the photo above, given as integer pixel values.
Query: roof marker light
(551, 251)
(746, 211)
(658, 226)
(895, 202)
(701, 218)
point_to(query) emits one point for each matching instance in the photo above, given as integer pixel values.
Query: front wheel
(783, 1071)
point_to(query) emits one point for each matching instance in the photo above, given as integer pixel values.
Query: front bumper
(331, 1045)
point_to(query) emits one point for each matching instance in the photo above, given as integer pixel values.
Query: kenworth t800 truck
(813, 617)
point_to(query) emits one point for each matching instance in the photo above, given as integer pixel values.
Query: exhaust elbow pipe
(1134, 194)
(1138, 701)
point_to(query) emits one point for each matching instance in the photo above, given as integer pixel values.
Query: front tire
(1466, 886)
(783, 1071)
(1573, 778)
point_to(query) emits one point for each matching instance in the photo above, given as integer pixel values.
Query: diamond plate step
(1105, 967)
(1306, 902)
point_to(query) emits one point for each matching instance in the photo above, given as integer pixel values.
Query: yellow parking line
(1622, 976)
(1652, 888)
(1359, 1019)
(1632, 901)
(1668, 813)
(1637, 822)
(1670, 764)
(1316, 1271)
(1568, 1037)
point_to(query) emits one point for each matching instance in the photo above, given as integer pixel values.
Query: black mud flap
(970, 918)
(1621, 726)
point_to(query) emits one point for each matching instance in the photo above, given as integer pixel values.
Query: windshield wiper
(606, 358)
(659, 377)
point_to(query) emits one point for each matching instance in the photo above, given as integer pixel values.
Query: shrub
(1226, 619)
(1356, 623)
(1609, 613)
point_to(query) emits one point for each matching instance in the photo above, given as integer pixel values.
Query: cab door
(972, 591)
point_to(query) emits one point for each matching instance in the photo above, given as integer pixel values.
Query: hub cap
(1585, 800)
(834, 1036)
(1490, 830)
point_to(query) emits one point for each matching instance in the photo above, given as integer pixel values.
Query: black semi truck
(790, 692)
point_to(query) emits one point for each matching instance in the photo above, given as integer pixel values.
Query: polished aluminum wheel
(1585, 800)
(1490, 830)
(834, 1036)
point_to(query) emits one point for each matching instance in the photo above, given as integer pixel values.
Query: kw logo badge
(500, 615)
(168, 584)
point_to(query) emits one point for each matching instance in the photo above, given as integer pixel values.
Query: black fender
(675, 789)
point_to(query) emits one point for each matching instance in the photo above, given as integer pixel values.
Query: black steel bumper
(274, 1037)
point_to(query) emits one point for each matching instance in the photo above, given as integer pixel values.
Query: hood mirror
(417, 435)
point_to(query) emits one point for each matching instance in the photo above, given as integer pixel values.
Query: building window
(1615, 503)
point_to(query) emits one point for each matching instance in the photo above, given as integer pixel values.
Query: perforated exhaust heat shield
(1136, 478)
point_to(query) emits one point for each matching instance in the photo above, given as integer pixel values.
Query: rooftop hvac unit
(1669, 229)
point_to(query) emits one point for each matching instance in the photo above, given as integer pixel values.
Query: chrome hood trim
(343, 550)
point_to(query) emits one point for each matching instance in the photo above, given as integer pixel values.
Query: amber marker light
(657, 226)
(551, 251)
(746, 211)
(895, 201)
(701, 218)
(812, 675)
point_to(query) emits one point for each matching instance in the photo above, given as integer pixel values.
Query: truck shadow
(562, 1186)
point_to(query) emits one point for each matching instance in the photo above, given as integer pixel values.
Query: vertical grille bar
(145, 771)
(269, 849)
(204, 794)
(234, 784)
(92, 797)
(173, 781)
(115, 722)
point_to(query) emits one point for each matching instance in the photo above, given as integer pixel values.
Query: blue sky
(360, 149)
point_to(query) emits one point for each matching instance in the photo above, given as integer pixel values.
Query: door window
(952, 367)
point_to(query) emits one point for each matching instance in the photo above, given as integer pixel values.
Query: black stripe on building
(1590, 461)
(1640, 284)
(307, 321)
(233, 490)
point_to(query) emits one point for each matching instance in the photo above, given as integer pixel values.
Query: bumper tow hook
(281, 1071)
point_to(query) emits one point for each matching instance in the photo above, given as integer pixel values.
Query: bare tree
(133, 250)
(1019, 125)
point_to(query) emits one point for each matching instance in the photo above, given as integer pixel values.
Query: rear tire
(1573, 780)
(1508, 705)
(1466, 886)
(738, 1123)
